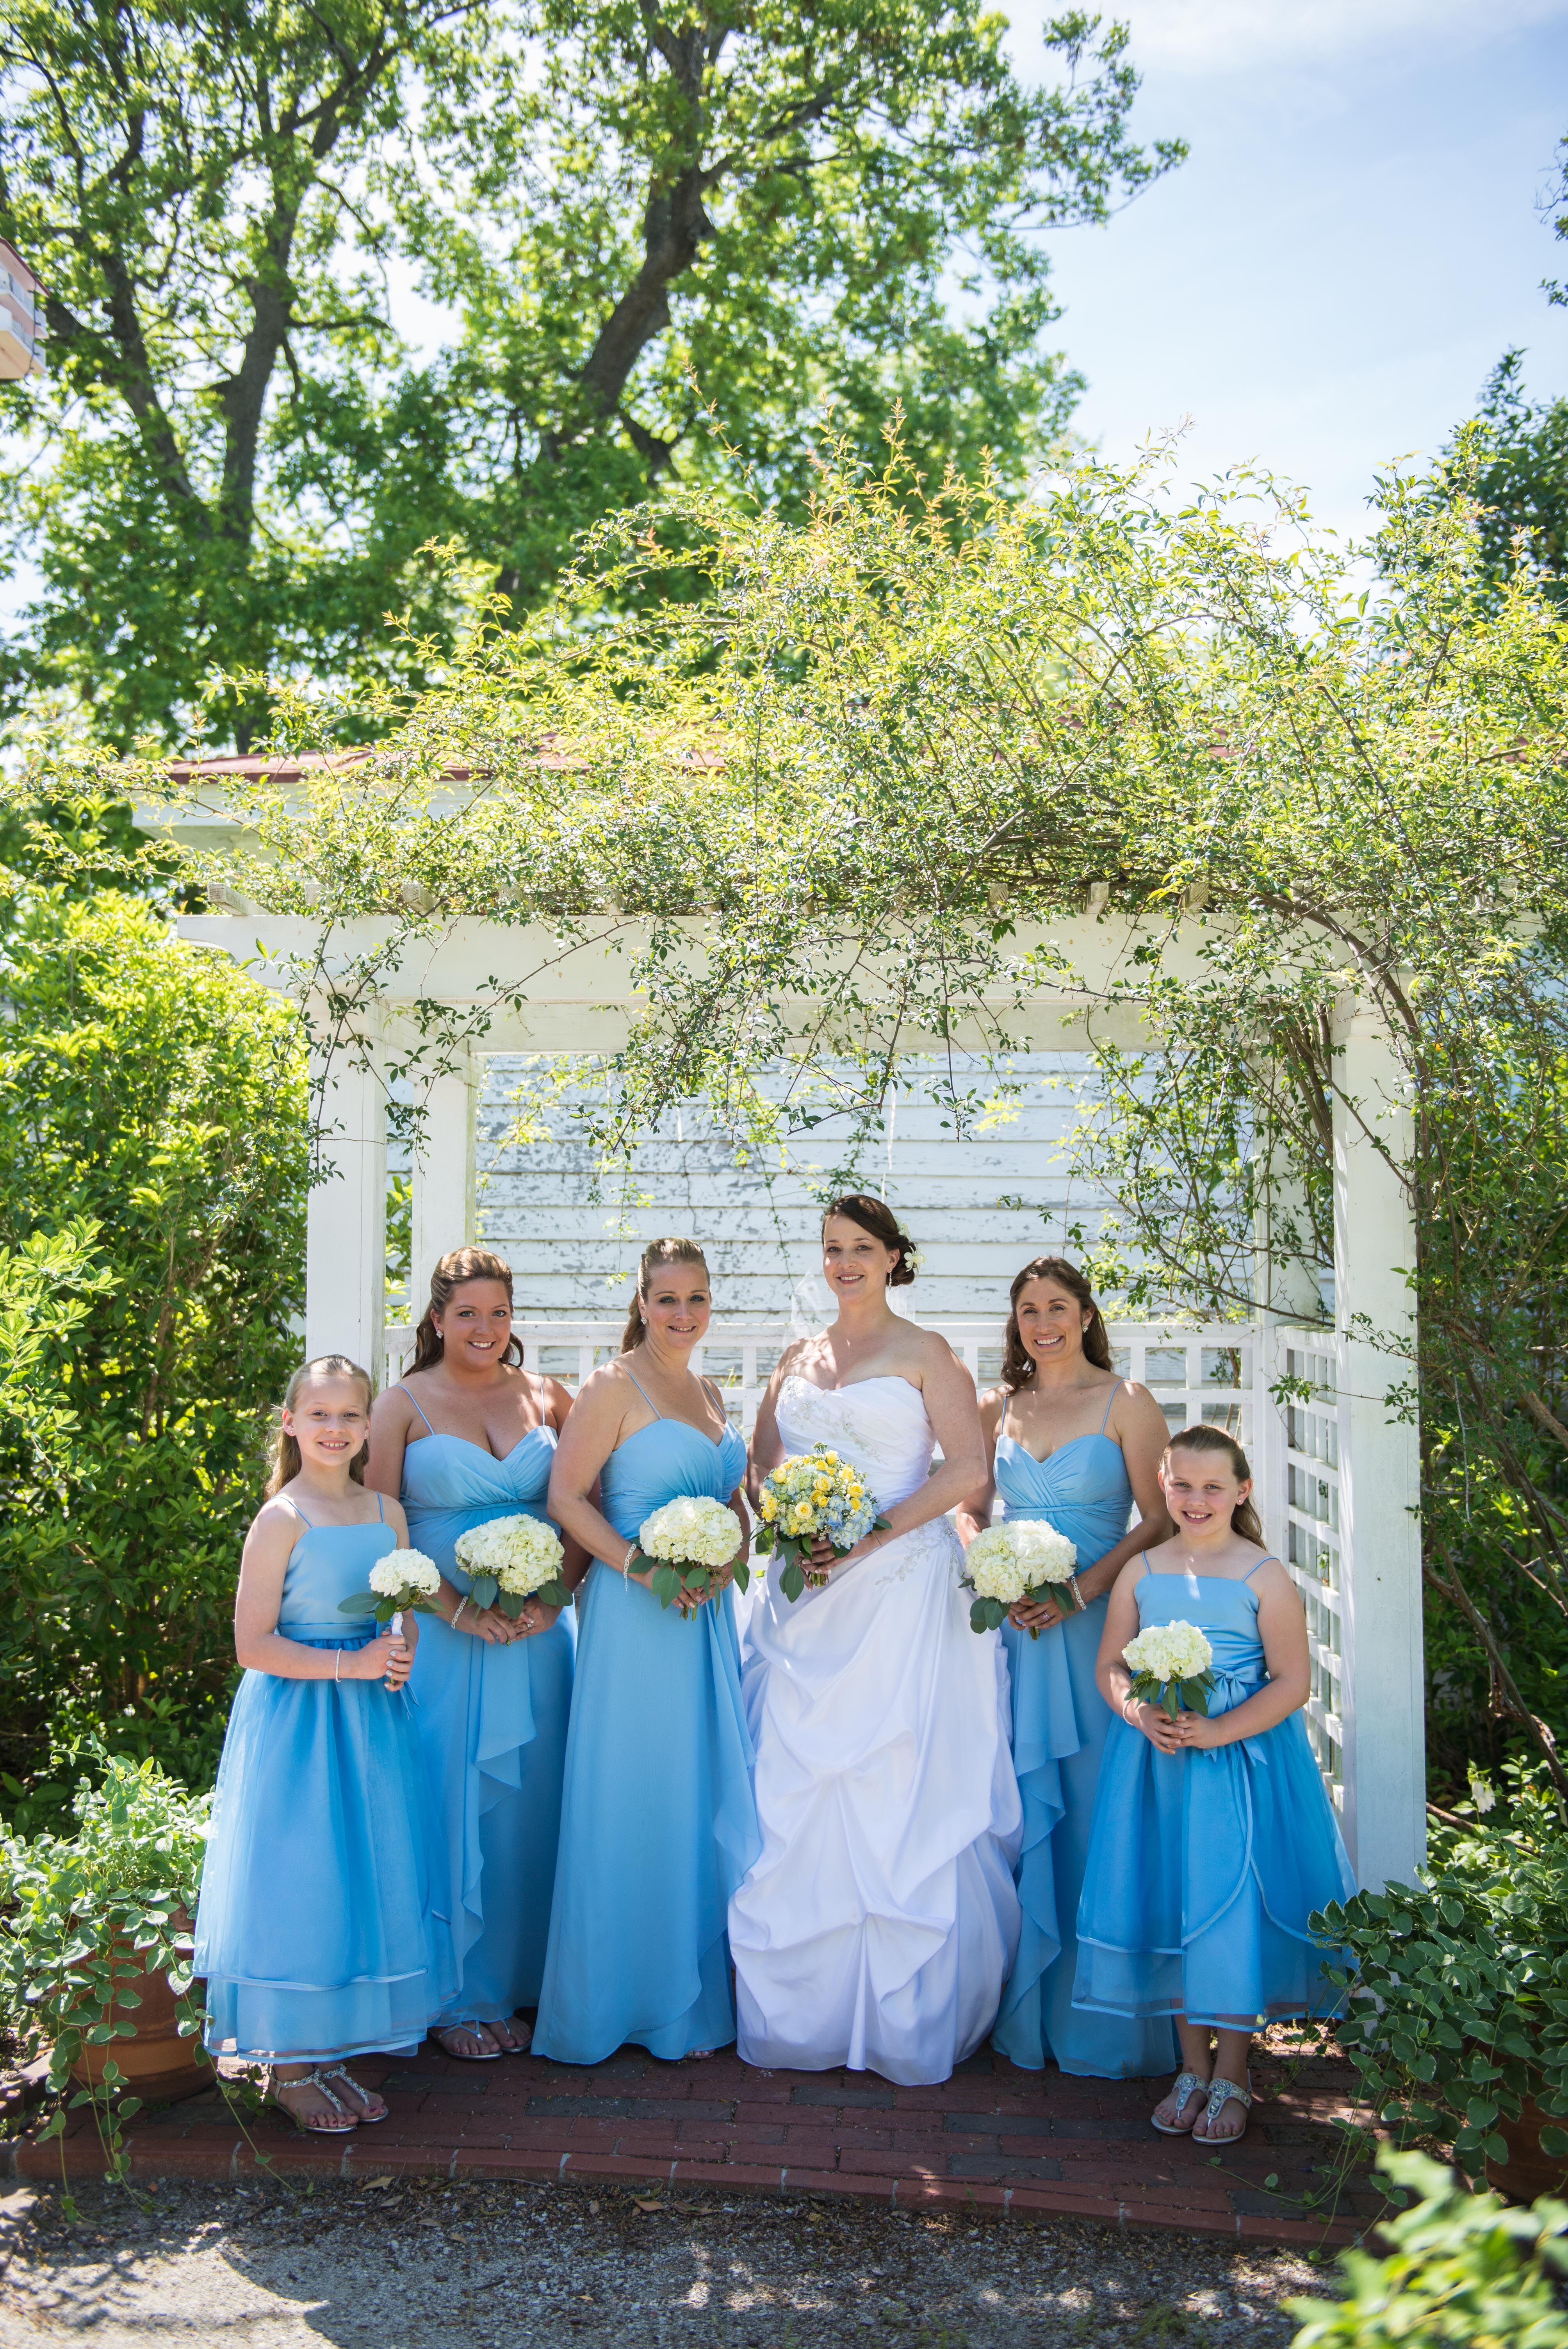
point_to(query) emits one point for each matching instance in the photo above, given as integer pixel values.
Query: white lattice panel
(1313, 1550)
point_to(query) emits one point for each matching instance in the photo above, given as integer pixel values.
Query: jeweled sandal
(315, 2124)
(340, 2072)
(1188, 2083)
(1220, 2094)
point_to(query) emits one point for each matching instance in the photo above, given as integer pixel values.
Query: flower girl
(314, 1933)
(1213, 1839)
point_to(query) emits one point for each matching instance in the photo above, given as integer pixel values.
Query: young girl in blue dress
(1214, 1839)
(318, 1932)
(658, 1826)
(469, 1436)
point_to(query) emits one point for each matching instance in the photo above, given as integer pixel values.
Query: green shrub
(1459, 1996)
(1465, 2269)
(153, 1122)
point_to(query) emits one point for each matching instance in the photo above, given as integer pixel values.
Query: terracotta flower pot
(1528, 2172)
(158, 2065)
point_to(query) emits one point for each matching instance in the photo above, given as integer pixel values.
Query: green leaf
(483, 1590)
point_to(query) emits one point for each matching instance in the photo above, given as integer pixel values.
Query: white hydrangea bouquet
(813, 1495)
(685, 1543)
(1169, 1666)
(403, 1579)
(509, 1560)
(1022, 1558)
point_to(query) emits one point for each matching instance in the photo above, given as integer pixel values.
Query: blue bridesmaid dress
(1204, 1866)
(659, 1825)
(1059, 1725)
(492, 1724)
(320, 1932)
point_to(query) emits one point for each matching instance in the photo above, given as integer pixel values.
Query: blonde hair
(462, 1263)
(286, 1448)
(656, 1253)
(1206, 1437)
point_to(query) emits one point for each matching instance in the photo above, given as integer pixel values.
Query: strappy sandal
(1188, 2083)
(519, 2046)
(1220, 2094)
(315, 2124)
(441, 2031)
(339, 2071)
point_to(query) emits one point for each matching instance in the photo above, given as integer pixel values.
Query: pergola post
(443, 1175)
(1379, 1460)
(346, 1235)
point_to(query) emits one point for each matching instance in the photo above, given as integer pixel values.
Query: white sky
(1354, 243)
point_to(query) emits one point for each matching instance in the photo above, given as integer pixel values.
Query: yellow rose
(831, 1458)
(769, 1505)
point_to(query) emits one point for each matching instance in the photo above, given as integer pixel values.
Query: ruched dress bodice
(658, 1825)
(322, 1929)
(1205, 1867)
(492, 1724)
(1060, 1722)
(879, 1922)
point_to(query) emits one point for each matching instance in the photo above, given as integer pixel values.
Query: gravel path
(464, 2266)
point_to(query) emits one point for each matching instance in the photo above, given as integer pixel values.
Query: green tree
(1512, 461)
(640, 213)
(152, 1243)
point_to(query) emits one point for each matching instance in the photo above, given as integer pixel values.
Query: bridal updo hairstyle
(462, 1263)
(656, 1253)
(1206, 1437)
(1018, 1364)
(286, 1460)
(874, 1215)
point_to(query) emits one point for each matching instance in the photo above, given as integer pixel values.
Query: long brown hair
(874, 1215)
(462, 1263)
(657, 1252)
(286, 1460)
(1018, 1364)
(1206, 1437)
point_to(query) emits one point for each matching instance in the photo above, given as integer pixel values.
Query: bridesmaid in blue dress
(1072, 1443)
(318, 1931)
(1213, 1840)
(658, 1826)
(469, 1436)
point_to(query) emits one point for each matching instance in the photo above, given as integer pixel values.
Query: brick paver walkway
(992, 2139)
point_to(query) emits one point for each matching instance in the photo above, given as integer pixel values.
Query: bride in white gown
(879, 1921)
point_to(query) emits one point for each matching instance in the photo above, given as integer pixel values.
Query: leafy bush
(1465, 2268)
(1459, 1996)
(74, 1909)
(152, 1176)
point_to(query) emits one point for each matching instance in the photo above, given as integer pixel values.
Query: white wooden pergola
(1339, 1474)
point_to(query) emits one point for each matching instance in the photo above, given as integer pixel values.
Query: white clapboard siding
(976, 1209)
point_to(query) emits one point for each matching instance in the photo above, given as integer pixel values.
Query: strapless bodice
(880, 1425)
(1082, 1489)
(328, 1565)
(667, 1460)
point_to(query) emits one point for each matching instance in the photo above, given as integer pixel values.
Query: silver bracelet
(457, 1610)
(337, 1665)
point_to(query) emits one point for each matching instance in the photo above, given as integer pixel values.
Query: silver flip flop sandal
(1188, 2083)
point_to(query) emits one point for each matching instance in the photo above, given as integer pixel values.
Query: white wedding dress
(879, 1921)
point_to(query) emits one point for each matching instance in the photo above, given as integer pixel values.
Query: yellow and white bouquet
(685, 1543)
(403, 1579)
(1022, 1558)
(1169, 1666)
(509, 1560)
(811, 1496)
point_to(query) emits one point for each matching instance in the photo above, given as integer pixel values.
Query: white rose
(1045, 1554)
(691, 1531)
(992, 1567)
